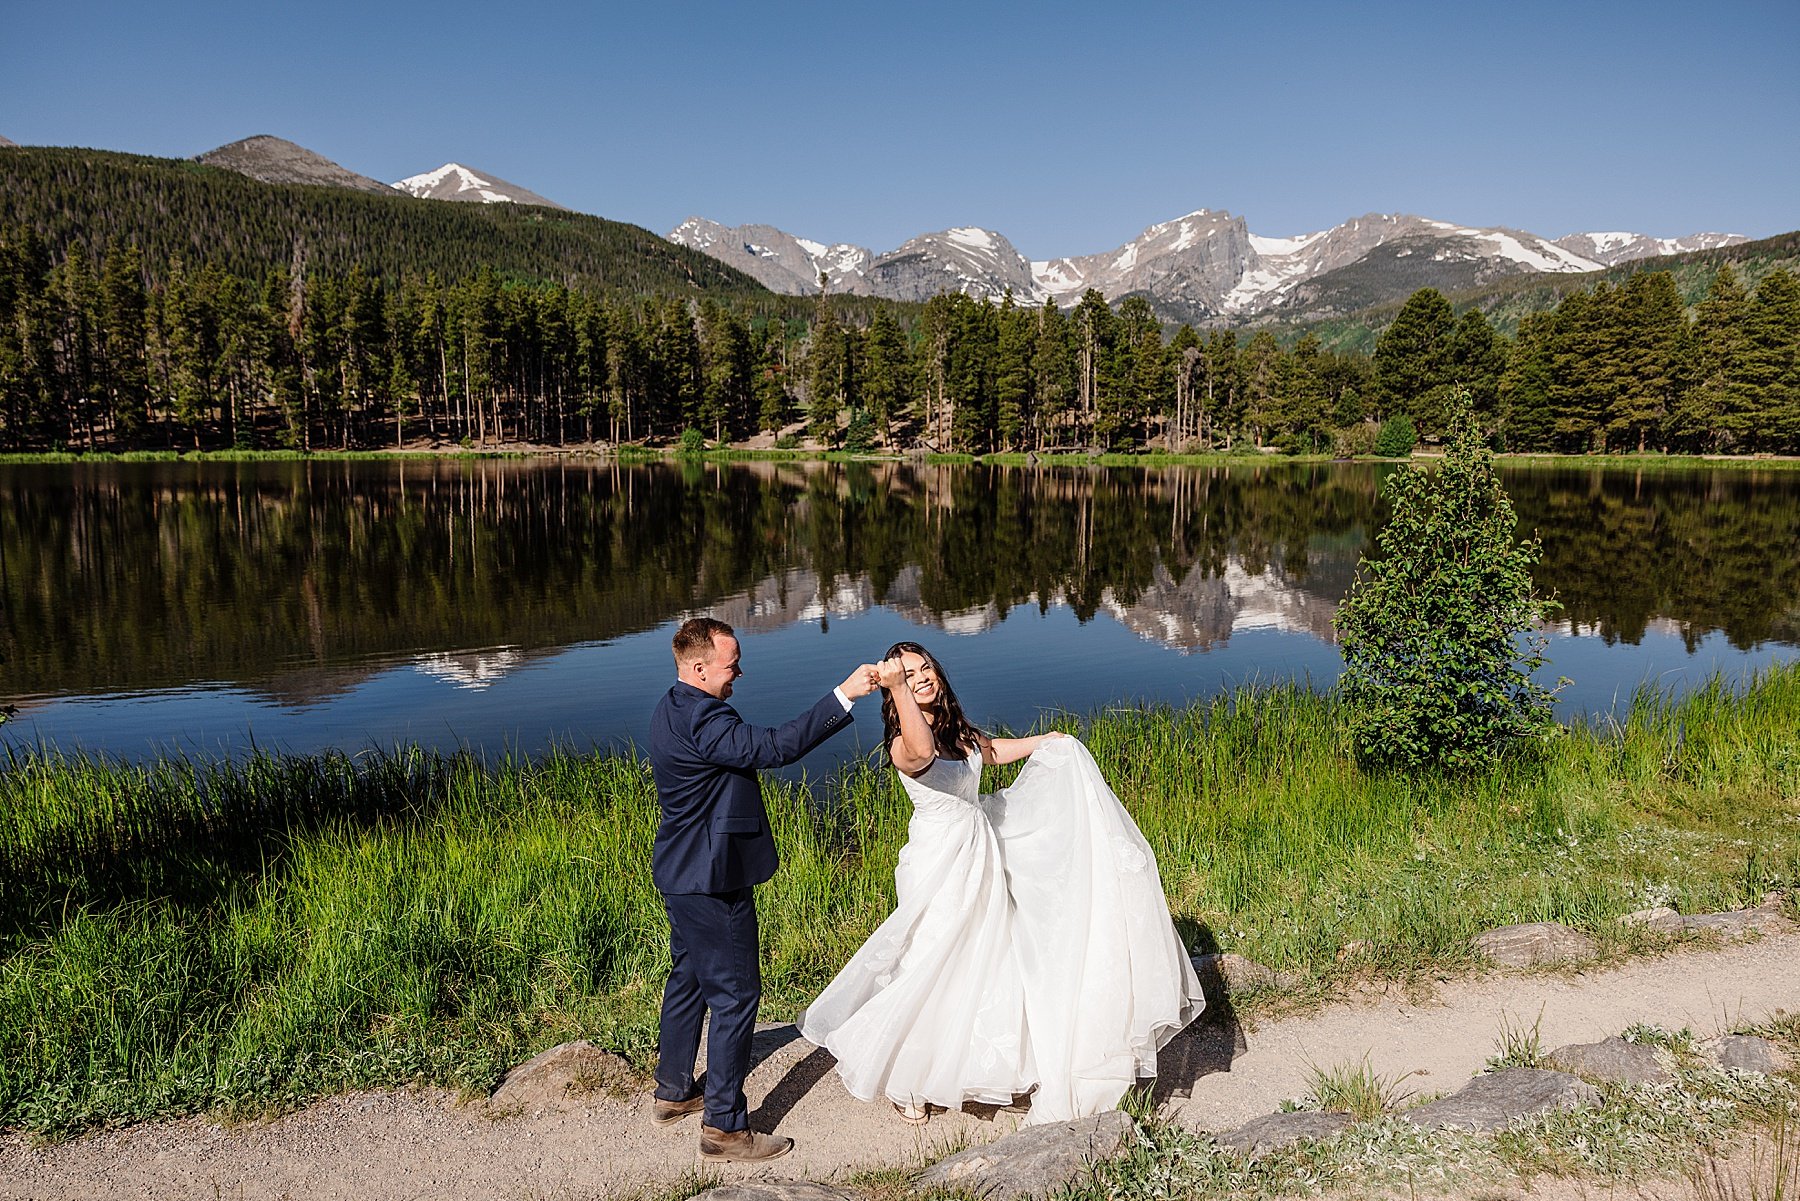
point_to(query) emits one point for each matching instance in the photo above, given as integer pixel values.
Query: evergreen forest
(147, 304)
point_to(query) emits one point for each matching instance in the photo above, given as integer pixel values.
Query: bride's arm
(995, 751)
(914, 750)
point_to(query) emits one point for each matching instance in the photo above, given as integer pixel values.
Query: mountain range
(1206, 265)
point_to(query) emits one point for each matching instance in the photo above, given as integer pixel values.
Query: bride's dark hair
(953, 733)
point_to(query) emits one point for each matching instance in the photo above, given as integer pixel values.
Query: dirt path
(419, 1145)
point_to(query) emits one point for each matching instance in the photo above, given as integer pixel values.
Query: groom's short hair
(694, 640)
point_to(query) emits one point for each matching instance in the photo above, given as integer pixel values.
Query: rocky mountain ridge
(277, 160)
(1204, 265)
(1615, 248)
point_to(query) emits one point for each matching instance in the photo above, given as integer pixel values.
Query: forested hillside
(1508, 301)
(173, 209)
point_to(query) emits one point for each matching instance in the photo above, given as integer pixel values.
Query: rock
(561, 1076)
(1746, 1053)
(1766, 918)
(775, 1190)
(1613, 1060)
(1281, 1130)
(1660, 918)
(1033, 1161)
(1491, 1102)
(1533, 943)
(1231, 972)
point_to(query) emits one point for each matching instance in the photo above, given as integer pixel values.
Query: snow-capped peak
(454, 181)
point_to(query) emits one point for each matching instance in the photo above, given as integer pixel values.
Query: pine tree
(1716, 415)
(1771, 364)
(1525, 415)
(1259, 367)
(1012, 376)
(887, 384)
(1413, 366)
(1477, 361)
(1053, 383)
(1303, 421)
(125, 306)
(825, 362)
(1656, 361)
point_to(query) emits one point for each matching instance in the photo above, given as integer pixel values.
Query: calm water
(203, 607)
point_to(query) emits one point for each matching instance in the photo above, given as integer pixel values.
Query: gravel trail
(421, 1145)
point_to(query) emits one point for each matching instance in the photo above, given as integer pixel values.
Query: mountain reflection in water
(304, 586)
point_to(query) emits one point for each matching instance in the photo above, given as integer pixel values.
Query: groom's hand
(861, 682)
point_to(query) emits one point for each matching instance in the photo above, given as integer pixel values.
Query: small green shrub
(859, 435)
(1397, 438)
(1439, 631)
(692, 442)
(1353, 441)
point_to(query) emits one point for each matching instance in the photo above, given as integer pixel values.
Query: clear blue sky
(1067, 127)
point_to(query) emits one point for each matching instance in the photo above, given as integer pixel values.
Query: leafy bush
(787, 442)
(1397, 438)
(692, 442)
(1353, 440)
(1438, 631)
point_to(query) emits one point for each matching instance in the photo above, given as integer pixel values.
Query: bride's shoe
(912, 1115)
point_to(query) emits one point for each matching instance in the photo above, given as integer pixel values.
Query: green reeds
(182, 935)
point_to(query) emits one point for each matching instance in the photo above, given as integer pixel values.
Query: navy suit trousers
(713, 953)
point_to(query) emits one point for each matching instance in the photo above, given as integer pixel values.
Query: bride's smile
(920, 678)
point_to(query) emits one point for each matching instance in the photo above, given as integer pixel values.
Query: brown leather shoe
(743, 1146)
(667, 1113)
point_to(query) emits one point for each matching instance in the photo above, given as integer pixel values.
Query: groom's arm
(725, 739)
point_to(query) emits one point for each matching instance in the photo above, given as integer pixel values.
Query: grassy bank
(186, 935)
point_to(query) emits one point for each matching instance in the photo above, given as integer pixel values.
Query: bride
(1030, 949)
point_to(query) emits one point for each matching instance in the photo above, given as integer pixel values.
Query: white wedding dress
(1030, 949)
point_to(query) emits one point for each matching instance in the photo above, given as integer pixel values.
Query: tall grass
(182, 934)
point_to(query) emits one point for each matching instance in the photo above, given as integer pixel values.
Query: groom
(712, 847)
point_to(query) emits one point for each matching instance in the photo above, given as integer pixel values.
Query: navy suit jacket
(714, 835)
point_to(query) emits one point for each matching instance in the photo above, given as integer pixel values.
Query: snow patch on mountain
(1614, 246)
(453, 181)
(1201, 265)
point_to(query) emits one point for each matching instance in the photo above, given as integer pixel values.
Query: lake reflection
(508, 603)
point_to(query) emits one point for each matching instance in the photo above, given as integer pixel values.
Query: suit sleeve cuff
(842, 699)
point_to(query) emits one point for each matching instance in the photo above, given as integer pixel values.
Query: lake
(509, 604)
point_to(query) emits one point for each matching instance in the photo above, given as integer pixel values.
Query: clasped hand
(861, 683)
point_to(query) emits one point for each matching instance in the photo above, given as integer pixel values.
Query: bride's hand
(890, 673)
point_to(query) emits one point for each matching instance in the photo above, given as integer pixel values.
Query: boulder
(1221, 975)
(1533, 943)
(1281, 1130)
(561, 1076)
(1613, 1060)
(1766, 918)
(1491, 1102)
(1661, 918)
(1746, 1053)
(1033, 1161)
(775, 1190)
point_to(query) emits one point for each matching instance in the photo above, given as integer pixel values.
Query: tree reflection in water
(296, 578)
